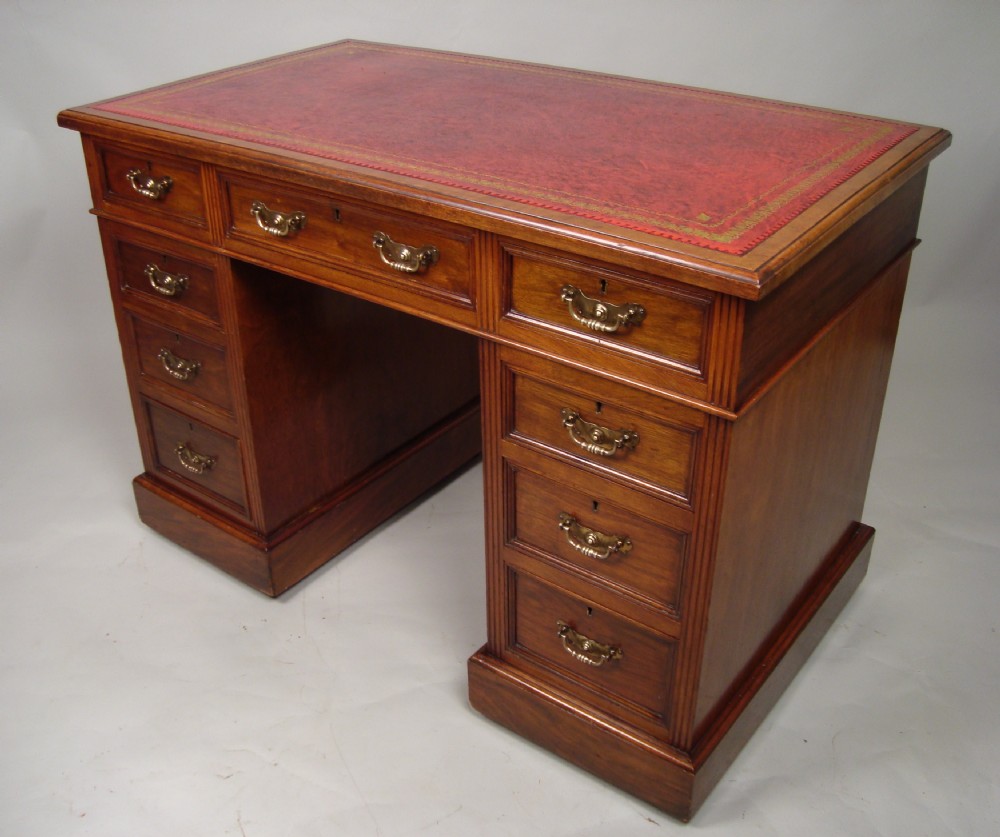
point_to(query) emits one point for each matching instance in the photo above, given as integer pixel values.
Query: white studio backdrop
(124, 660)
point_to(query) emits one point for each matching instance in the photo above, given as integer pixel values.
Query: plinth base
(673, 780)
(277, 561)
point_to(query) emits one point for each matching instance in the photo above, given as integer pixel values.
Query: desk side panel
(795, 488)
(334, 385)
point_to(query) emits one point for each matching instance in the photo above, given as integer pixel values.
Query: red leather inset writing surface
(711, 169)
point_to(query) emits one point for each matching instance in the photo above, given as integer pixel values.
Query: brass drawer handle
(279, 224)
(154, 188)
(402, 257)
(601, 316)
(590, 542)
(602, 441)
(166, 284)
(196, 463)
(178, 367)
(584, 649)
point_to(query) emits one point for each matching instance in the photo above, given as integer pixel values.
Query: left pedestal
(279, 421)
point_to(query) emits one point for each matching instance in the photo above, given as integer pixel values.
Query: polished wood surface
(676, 436)
(797, 473)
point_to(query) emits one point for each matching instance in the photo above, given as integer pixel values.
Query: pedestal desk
(666, 316)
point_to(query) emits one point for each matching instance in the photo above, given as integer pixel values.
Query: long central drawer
(416, 257)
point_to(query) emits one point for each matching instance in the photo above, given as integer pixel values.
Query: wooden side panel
(813, 615)
(797, 476)
(334, 384)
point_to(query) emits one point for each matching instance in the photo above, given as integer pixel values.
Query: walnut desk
(666, 315)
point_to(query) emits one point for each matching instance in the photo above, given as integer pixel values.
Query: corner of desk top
(81, 118)
(67, 119)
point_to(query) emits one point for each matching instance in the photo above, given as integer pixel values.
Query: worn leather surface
(712, 169)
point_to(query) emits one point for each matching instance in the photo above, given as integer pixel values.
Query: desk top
(727, 183)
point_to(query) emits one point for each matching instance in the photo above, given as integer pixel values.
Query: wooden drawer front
(668, 326)
(177, 442)
(605, 541)
(191, 367)
(648, 449)
(341, 233)
(179, 205)
(640, 678)
(171, 279)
